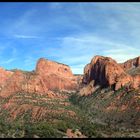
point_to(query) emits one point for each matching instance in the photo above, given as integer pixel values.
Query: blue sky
(70, 33)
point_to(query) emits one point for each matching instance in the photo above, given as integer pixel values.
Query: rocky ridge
(48, 76)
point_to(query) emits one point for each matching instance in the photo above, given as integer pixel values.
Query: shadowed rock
(105, 72)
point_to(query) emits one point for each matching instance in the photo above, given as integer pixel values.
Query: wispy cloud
(26, 36)
(77, 51)
(71, 33)
(7, 61)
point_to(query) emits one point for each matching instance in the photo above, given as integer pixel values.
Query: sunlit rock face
(132, 63)
(4, 76)
(48, 76)
(56, 75)
(106, 72)
(46, 67)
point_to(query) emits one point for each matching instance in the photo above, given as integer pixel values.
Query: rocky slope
(117, 111)
(111, 93)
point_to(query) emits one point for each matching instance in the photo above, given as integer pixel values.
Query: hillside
(117, 111)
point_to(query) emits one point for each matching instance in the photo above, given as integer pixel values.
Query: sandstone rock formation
(136, 82)
(53, 76)
(46, 67)
(4, 76)
(106, 72)
(48, 76)
(56, 76)
(132, 63)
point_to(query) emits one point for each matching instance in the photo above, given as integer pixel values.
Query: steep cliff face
(105, 72)
(132, 63)
(56, 75)
(48, 76)
(46, 67)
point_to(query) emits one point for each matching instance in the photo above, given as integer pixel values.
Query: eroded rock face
(4, 76)
(13, 84)
(23, 82)
(48, 76)
(132, 63)
(106, 73)
(56, 76)
(46, 67)
(123, 80)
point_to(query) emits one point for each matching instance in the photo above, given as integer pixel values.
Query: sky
(69, 33)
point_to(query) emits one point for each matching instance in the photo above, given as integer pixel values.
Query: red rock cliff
(46, 67)
(105, 72)
(132, 63)
(4, 76)
(56, 75)
(48, 75)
